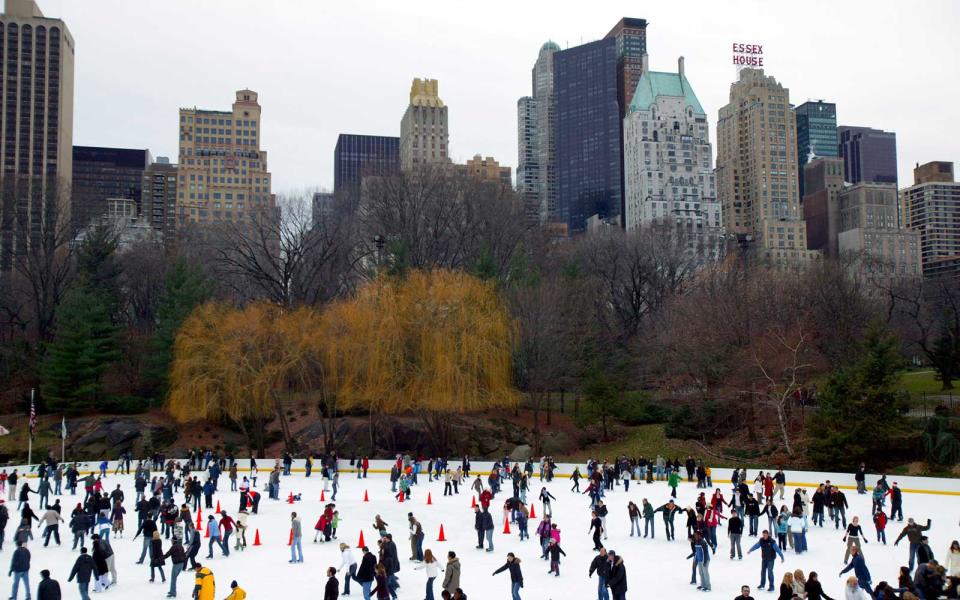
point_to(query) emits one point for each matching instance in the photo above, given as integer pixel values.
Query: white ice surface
(656, 568)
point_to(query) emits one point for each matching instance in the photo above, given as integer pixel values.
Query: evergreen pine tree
(859, 408)
(185, 289)
(83, 348)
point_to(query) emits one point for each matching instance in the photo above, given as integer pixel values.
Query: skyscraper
(359, 156)
(100, 174)
(631, 37)
(668, 157)
(932, 207)
(757, 168)
(486, 169)
(536, 139)
(588, 139)
(160, 198)
(424, 136)
(36, 126)
(869, 231)
(823, 181)
(816, 133)
(223, 172)
(868, 154)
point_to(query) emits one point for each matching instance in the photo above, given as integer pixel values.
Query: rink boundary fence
(790, 484)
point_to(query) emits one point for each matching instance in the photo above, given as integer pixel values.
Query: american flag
(33, 417)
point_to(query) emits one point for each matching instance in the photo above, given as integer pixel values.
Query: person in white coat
(348, 564)
(433, 569)
(952, 560)
(853, 591)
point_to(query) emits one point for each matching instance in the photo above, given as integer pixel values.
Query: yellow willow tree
(436, 342)
(229, 365)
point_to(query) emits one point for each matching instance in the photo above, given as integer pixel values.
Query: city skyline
(315, 82)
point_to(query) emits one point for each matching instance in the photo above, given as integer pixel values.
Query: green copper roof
(653, 84)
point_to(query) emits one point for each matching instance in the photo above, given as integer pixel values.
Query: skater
(348, 564)
(331, 591)
(853, 538)
(483, 523)
(451, 577)
(203, 583)
(813, 589)
(596, 526)
(601, 566)
(701, 561)
(880, 523)
(769, 550)
(618, 577)
(546, 497)
(82, 569)
(416, 538)
(735, 532)
(516, 575)
(296, 544)
(366, 572)
(913, 532)
(634, 513)
(859, 567)
(554, 551)
(156, 557)
(648, 522)
(178, 558)
(669, 511)
(433, 569)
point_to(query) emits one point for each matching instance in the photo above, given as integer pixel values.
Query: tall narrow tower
(757, 177)
(423, 131)
(36, 126)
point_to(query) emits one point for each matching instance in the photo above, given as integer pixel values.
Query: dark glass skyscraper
(359, 156)
(588, 143)
(103, 173)
(631, 37)
(869, 155)
(816, 133)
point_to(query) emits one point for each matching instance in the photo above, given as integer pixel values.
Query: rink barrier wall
(803, 479)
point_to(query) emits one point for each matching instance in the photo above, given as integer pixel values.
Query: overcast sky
(324, 67)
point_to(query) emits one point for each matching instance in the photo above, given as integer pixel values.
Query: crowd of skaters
(170, 532)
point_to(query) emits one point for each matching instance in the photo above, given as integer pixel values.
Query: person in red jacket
(880, 522)
(485, 498)
(228, 525)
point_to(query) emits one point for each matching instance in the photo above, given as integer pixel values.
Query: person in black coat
(332, 590)
(618, 578)
(156, 556)
(516, 575)
(101, 569)
(83, 569)
(49, 589)
(366, 572)
(194, 547)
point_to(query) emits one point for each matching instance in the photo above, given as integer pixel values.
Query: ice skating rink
(656, 568)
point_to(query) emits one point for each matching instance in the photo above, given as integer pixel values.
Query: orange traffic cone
(533, 511)
(290, 541)
(473, 501)
(402, 495)
(199, 522)
(429, 499)
(256, 538)
(366, 498)
(218, 507)
(360, 542)
(322, 497)
(208, 530)
(506, 525)
(441, 537)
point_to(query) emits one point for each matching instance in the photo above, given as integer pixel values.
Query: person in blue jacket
(769, 550)
(859, 567)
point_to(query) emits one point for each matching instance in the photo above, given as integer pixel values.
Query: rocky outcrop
(109, 437)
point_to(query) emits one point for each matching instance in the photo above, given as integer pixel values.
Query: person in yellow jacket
(204, 585)
(237, 592)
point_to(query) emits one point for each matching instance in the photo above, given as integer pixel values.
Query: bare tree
(286, 256)
(436, 218)
(635, 273)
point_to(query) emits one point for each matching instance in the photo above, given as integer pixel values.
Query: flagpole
(63, 440)
(30, 436)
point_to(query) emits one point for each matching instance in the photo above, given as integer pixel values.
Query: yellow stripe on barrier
(563, 476)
